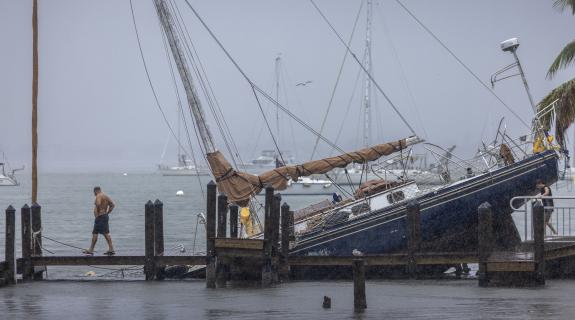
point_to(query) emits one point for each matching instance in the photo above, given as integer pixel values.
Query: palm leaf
(562, 4)
(564, 112)
(564, 58)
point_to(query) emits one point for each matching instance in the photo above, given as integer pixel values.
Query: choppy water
(67, 200)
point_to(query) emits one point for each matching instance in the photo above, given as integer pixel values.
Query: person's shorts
(548, 213)
(101, 225)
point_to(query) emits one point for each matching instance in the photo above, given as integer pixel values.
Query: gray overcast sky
(97, 111)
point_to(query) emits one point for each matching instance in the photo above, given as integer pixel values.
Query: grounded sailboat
(373, 220)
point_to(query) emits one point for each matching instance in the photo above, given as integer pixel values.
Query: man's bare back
(103, 204)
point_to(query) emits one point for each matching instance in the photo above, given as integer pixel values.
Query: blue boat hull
(448, 216)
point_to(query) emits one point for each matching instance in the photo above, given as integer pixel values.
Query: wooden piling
(285, 234)
(221, 267)
(413, 236)
(222, 215)
(267, 276)
(149, 261)
(26, 243)
(359, 299)
(275, 215)
(211, 235)
(485, 241)
(538, 216)
(10, 246)
(234, 221)
(159, 236)
(36, 210)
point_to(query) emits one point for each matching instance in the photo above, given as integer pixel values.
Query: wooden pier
(267, 260)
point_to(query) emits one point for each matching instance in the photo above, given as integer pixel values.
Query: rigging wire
(202, 79)
(349, 104)
(329, 105)
(150, 79)
(364, 69)
(182, 115)
(255, 87)
(462, 63)
(402, 69)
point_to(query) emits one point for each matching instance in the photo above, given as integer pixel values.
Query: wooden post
(485, 241)
(149, 241)
(538, 217)
(211, 235)
(234, 221)
(159, 236)
(285, 234)
(222, 215)
(275, 215)
(413, 236)
(291, 226)
(26, 243)
(267, 277)
(37, 237)
(359, 300)
(10, 246)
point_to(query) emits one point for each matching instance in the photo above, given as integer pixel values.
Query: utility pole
(35, 101)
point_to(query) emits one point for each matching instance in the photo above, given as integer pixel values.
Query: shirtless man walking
(102, 207)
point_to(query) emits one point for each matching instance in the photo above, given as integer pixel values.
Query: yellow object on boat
(538, 145)
(246, 220)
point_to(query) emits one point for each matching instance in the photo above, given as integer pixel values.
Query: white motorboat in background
(185, 167)
(8, 179)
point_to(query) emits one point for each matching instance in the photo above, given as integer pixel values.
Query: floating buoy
(90, 274)
(179, 193)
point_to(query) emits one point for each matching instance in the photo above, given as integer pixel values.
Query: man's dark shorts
(101, 225)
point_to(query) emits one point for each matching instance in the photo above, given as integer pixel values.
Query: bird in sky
(303, 83)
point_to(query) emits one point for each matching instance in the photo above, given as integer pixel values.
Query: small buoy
(179, 193)
(90, 274)
(125, 174)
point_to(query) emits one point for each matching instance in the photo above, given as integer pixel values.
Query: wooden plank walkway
(115, 260)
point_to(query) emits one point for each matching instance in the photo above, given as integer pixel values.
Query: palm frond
(562, 4)
(564, 58)
(564, 112)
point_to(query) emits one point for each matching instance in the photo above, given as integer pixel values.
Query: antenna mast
(167, 22)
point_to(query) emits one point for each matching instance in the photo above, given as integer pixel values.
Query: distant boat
(185, 167)
(8, 179)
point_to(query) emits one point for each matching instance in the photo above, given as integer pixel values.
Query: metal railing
(561, 221)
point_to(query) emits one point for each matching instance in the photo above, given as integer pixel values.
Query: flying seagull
(303, 83)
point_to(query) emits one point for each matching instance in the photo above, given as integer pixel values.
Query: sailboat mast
(367, 89)
(35, 101)
(179, 114)
(167, 22)
(277, 71)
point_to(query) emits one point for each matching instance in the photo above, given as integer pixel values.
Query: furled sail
(240, 186)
